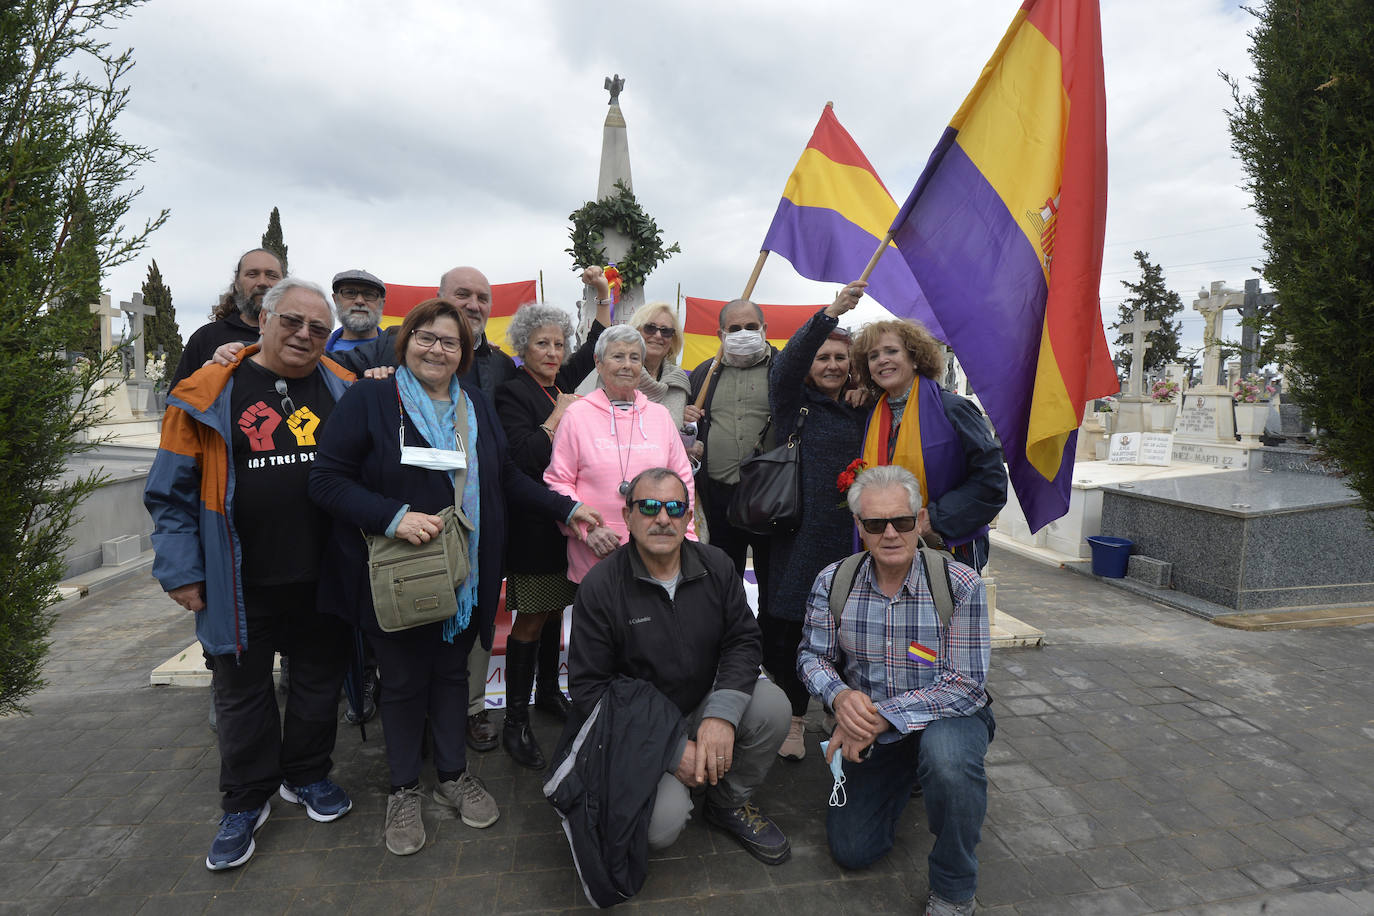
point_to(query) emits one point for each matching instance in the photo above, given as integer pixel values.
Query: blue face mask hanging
(837, 796)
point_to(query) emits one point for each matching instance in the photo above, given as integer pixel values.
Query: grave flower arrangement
(156, 369)
(1251, 389)
(1164, 391)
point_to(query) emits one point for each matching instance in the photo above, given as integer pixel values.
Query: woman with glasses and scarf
(663, 380)
(811, 373)
(388, 464)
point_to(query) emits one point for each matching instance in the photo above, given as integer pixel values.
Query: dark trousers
(946, 758)
(734, 541)
(423, 677)
(780, 641)
(258, 749)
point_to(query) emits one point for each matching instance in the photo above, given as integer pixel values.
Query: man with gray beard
(235, 317)
(359, 298)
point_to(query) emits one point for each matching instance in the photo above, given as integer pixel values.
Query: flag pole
(873, 261)
(541, 286)
(754, 277)
(720, 353)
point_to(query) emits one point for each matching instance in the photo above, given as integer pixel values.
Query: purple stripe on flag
(981, 275)
(823, 245)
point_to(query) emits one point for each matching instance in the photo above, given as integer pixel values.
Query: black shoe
(369, 699)
(547, 694)
(553, 702)
(516, 736)
(755, 831)
(482, 734)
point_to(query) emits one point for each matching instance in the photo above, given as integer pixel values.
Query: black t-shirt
(207, 339)
(281, 531)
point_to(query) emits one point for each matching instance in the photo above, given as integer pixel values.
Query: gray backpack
(932, 560)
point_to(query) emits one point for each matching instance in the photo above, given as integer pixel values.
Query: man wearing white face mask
(729, 423)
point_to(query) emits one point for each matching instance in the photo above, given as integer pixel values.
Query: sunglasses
(676, 508)
(294, 323)
(649, 330)
(288, 406)
(903, 524)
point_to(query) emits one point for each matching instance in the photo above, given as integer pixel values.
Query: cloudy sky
(413, 136)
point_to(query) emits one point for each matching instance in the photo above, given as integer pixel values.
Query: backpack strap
(843, 584)
(935, 563)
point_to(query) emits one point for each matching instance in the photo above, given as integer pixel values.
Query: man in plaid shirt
(908, 694)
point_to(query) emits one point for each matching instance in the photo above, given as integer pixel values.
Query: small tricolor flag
(505, 299)
(919, 653)
(702, 320)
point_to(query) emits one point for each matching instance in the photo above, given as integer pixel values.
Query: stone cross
(107, 315)
(1233, 372)
(1211, 303)
(136, 310)
(1137, 327)
(1249, 334)
(613, 86)
(1173, 372)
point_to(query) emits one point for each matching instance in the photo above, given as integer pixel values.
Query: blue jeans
(947, 759)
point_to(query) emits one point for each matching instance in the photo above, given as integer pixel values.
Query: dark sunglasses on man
(676, 508)
(293, 324)
(903, 524)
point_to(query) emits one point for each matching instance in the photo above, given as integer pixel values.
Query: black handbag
(768, 498)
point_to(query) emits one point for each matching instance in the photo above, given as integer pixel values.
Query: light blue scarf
(439, 431)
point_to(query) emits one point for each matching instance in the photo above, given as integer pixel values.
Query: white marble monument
(1205, 428)
(1131, 408)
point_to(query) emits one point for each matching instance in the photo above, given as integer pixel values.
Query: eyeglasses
(649, 330)
(353, 292)
(903, 524)
(428, 339)
(288, 406)
(293, 324)
(676, 508)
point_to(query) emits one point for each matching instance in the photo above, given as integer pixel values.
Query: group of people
(287, 442)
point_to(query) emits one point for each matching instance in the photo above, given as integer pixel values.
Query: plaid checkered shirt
(870, 647)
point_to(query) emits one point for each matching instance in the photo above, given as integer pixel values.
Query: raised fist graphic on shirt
(258, 423)
(303, 424)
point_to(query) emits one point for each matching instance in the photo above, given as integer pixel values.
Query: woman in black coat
(811, 373)
(537, 588)
(360, 480)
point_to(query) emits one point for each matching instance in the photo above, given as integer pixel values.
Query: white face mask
(837, 794)
(744, 347)
(433, 459)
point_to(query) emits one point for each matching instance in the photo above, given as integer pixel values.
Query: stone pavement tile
(1221, 884)
(31, 907)
(671, 879)
(1107, 794)
(1363, 857)
(671, 907)
(1263, 839)
(1006, 883)
(1310, 833)
(129, 810)
(482, 856)
(1165, 894)
(274, 869)
(359, 863)
(102, 906)
(1228, 810)
(1007, 807)
(72, 877)
(1057, 875)
(554, 888)
(1058, 801)
(143, 876)
(1271, 875)
(1083, 830)
(63, 812)
(1218, 849)
(735, 871)
(1198, 729)
(18, 878)
(1322, 869)
(1127, 825)
(1112, 866)
(250, 903)
(1013, 777)
(1180, 816)
(85, 842)
(451, 895)
(23, 844)
(1031, 840)
(811, 864)
(1166, 858)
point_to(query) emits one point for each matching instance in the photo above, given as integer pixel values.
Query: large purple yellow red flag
(702, 319)
(505, 299)
(1004, 232)
(833, 212)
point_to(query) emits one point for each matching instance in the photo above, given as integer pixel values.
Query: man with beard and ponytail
(235, 318)
(359, 299)
(729, 422)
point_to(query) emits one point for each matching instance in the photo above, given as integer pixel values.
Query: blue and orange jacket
(190, 495)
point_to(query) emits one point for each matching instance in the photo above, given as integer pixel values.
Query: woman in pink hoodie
(605, 439)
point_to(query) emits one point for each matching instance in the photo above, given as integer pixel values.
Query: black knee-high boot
(548, 696)
(516, 736)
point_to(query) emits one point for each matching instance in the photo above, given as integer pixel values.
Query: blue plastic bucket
(1110, 556)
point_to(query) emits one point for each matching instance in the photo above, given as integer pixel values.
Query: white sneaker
(794, 745)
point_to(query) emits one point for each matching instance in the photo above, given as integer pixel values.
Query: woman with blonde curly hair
(937, 435)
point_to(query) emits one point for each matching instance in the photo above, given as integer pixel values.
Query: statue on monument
(613, 86)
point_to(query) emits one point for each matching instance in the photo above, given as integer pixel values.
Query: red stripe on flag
(831, 139)
(703, 317)
(505, 299)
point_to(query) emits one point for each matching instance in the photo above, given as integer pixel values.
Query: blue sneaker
(324, 801)
(234, 844)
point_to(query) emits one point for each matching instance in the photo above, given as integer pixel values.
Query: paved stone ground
(1145, 761)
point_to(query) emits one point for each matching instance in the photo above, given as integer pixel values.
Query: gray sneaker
(469, 798)
(405, 828)
(939, 906)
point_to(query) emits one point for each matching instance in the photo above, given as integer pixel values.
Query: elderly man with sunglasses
(672, 612)
(908, 693)
(238, 543)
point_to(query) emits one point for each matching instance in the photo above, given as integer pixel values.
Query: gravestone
(1205, 428)
(140, 389)
(1131, 408)
(1249, 334)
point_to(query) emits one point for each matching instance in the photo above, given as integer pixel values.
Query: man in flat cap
(359, 298)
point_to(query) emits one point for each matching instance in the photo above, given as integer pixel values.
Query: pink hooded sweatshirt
(596, 447)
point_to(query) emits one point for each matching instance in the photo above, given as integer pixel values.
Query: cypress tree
(272, 239)
(161, 329)
(1160, 304)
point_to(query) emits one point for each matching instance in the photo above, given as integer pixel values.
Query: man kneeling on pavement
(908, 693)
(663, 669)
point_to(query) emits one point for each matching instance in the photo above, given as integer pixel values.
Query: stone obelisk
(615, 166)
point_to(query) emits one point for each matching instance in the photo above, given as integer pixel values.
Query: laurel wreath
(622, 213)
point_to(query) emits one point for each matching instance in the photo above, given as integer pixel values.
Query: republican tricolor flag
(505, 299)
(1004, 233)
(702, 320)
